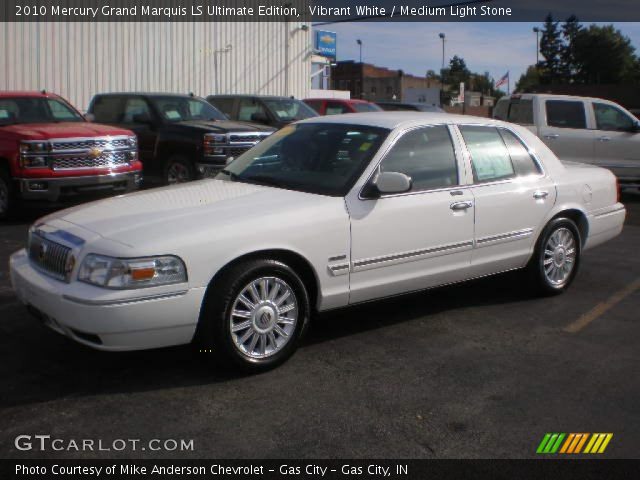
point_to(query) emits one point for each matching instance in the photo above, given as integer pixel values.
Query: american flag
(503, 80)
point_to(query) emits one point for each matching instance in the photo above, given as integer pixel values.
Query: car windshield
(366, 107)
(36, 110)
(289, 109)
(186, 109)
(317, 158)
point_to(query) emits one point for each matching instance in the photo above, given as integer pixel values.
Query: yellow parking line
(602, 307)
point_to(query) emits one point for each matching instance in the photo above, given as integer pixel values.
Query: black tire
(6, 194)
(537, 270)
(178, 169)
(214, 336)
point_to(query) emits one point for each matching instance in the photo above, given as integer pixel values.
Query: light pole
(442, 36)
(359, 42)
(220, 51)
(536, 30)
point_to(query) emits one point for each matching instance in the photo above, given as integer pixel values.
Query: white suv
(581, 129)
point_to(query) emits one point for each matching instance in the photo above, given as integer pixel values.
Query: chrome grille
(236, 151)
(250, 138)
(106, 160)
(89, 143)
(49, 256)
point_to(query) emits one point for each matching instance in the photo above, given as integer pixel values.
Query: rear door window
(490, 158)
(566, 114)
(521, 112)
(523, 162)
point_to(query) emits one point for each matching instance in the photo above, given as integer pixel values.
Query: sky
(415, 47)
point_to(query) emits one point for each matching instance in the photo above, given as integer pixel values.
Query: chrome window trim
(376, 169)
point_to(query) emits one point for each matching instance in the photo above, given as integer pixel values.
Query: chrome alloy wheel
(177, 173)
(559, 256)
(263, 318)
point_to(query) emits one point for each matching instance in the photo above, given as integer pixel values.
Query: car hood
(224, 126)
(45, 131)
(160, 214)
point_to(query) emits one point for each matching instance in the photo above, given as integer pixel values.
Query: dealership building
(80, 59)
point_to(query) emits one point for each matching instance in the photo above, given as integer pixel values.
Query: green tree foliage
(551, 48)
(528, 80)
(571, 29)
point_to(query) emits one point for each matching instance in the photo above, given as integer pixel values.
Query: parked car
(581, 129)
(335, 106)
(267, 110)
(181, 137)
(326, 213)
(410, 107)
(48, 151)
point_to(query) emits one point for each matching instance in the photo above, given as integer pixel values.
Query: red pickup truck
(48, 150)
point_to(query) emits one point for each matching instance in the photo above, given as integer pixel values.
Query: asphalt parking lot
(477, 370)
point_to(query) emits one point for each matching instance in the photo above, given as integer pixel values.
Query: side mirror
(90, 117)
(388, 183)
(259, 117)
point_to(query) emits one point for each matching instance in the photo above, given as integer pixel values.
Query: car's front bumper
(51, 189)
(108, 319)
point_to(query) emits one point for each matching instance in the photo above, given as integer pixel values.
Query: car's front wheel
(254, 315)
(178, 170)
(557, 257)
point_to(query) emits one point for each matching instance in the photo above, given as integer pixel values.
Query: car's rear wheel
(178, 170)
(557, 257)
(254, 315)
(5, 194)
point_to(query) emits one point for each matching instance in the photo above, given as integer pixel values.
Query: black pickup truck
(180, 137)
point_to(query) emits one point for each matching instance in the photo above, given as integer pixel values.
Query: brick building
(373, 83)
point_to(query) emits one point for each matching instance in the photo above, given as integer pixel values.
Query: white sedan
(325, 213)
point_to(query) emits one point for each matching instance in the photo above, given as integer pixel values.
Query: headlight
(213, 143)
(34, 162)
(34, 147)
(132, 141)
(124, 273)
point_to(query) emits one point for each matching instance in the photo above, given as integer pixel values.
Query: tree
(569, 65)
(604, 55)
(551, 49)
(528, 80)
(457, 71)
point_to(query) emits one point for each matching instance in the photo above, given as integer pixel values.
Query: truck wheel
(6, 194)
(254, 315)
(178, 170)
(555, 262)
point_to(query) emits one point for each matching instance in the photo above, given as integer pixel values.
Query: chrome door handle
(552, 136)
(457, 206)
(540, 194)
(604, 139)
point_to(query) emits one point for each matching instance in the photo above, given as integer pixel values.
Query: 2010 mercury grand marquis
(325, 213)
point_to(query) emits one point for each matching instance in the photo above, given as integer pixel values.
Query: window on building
(490, 158)
(566, 114)
(427, 156)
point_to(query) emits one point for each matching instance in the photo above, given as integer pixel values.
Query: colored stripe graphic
(553, 443)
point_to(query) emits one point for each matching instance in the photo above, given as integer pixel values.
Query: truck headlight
(132, 141)
(34, 162)
(126, 273)
(34, 147)
(213, 143)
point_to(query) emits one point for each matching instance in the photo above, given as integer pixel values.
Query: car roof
(399, 119)
(343, 100)
(26, 93)
(552, 96)
(146, 94)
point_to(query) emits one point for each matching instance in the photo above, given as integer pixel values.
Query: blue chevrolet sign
(326, 43)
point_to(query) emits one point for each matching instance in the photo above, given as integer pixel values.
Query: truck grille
(236, 151)
(249, 138)
(49, 256)
(106, 160)
(89, 143)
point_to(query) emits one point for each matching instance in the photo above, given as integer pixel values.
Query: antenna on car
(43, 91)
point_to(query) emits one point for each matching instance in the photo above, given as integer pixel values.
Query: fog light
(38, 186)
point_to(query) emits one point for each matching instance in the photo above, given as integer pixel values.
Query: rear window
(108, 109)
(515, 110)
(565, 114)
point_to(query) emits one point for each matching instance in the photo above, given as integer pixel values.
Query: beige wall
(80, 59)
